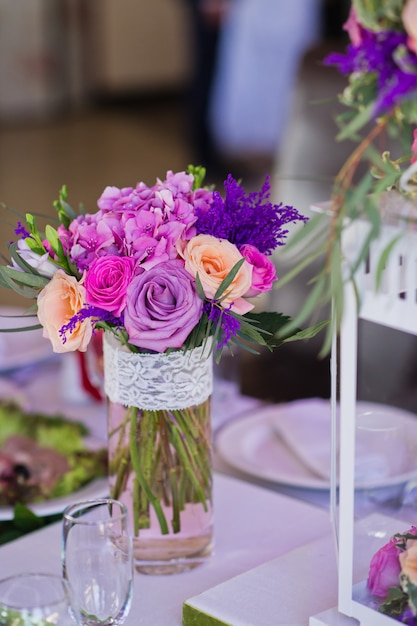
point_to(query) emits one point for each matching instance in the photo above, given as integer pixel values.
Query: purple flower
(229, 325)
(162, 308)
(386, 55)
(21, 231)
(88, 312)
(250, 219)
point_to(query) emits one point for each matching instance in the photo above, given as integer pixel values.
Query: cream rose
(213, 259)
(58, 302)
(409, 17)
(408, 561)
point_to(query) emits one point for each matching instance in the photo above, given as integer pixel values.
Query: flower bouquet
(380, 174)
(169, 273)
(393, 577)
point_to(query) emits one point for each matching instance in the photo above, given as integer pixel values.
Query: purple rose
(263, 273)
(162, 307)
(384, 569)
(107, 280)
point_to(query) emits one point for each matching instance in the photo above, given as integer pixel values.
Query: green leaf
(65, 212)
(357, 123)
(307, 333)
(199, 173)
(25, 519)
(17, 286)
(358, 194)
(19, 330)
(33, 229)
(244, 346)
(52, 236)
(35, 246)
(385, 254)
(226, 282)
(30, 280)
(199, 287)
(318, 297)
(299, 267)
(270, 321)
(312, 228)
(250, 333)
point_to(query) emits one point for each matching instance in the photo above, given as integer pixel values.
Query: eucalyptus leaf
(226, 282)
(382, 262)
(300, 266)
(30, 280)
(199, 287)
(358, 122)
(307, 333)
(310, 229)
(318, 297)
(25, 291)
(20, 329)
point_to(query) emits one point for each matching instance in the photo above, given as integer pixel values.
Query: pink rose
(263, 272)
(212, 259)
(162, 307)
(353, 28)
(384, 569)
(107, 280)
(58, 302)
(409, 17)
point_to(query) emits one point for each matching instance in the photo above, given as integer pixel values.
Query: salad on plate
(43, 457)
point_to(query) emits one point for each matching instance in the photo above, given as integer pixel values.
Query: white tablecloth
(252, 526)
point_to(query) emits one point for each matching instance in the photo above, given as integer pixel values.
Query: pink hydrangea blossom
(145, 223)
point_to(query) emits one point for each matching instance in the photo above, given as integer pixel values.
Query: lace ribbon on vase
(157, 381)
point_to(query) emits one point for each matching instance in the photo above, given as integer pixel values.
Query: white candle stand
(393, 306)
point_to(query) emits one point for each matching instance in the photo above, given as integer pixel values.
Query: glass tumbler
(97, 560)
(32, 599)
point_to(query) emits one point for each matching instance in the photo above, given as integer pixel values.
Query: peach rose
(409, 17)
(408, 561)
(213, 259)
(58, 302)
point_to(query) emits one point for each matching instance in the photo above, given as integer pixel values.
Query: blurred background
(98, 92)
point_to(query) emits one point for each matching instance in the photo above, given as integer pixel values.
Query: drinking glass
(97, 560)
(32, 599)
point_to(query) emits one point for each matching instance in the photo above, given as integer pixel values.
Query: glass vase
(160, 452)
